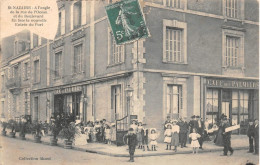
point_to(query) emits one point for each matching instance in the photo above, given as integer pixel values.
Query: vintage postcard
(151, 82)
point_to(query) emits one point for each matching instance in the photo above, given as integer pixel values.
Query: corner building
(202, 59)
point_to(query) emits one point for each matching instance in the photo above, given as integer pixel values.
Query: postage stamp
(127, 21)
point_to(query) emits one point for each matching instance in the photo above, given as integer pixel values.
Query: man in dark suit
(193, 123)
(256, 137)
(250, 134)
(227, 138)
(200, 129)
(184, 128)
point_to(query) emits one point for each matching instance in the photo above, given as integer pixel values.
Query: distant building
(202, 59)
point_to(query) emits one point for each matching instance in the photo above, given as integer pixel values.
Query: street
(14, 151)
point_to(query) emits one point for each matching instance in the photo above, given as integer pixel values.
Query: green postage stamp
(126, 21)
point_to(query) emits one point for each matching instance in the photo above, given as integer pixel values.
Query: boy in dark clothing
(250, 134)
(131, 140)
(227, 138)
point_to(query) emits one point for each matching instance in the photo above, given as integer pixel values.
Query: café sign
(68, 90)
(226, 83)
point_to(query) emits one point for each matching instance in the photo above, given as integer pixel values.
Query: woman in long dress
(80, 138)
(175, 135)
(219, 138)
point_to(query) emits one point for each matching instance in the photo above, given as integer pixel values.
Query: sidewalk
(238, 142)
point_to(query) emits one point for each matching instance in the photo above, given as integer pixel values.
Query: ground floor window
(237, 105)
(174, 100)
(36, 108)
(67, 105)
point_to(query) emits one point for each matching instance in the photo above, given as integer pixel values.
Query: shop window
(235, 107)
(58, 65)
(212, 105)
(244, 97)
(78, 58)
(174, 100)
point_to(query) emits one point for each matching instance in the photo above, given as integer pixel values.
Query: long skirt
(139, 137)
(81, 139)
(219, 138)
(175, 139)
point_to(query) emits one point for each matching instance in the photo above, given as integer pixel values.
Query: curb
(127, 155)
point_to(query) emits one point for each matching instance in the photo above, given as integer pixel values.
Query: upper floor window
(36, 71)
(177, 4)
(35, 40)
(58, 65)
(2, 83)
(233, 52)
(173, 3)
(61, 29)
(77, 14)
(174, 45)
(175, 39)
(77, 58)
(116, 52)
(233, 8)
(26, 71)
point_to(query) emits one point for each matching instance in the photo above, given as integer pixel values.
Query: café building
(236, 98)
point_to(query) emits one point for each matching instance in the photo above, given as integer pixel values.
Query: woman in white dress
(80, 138)
(194, 140)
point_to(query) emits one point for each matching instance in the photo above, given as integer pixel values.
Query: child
(145, 138)
(131, 139)
(113, 132)
(175, 135)
(153, 136)
(107, 134)
(168, 136)
(139, 135)
(194, 140)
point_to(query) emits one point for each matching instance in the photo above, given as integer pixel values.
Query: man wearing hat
(227, 137)
(250, 134)
(131, 140)
(200, 130)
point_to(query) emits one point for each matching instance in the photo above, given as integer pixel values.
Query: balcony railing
(13, 83)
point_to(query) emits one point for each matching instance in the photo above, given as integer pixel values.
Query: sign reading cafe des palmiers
(126, 21)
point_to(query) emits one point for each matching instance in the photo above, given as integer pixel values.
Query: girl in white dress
(194, 140)
(168, 135)
(153, 137)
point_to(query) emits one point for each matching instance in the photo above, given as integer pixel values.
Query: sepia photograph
(154, 82)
